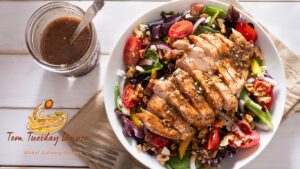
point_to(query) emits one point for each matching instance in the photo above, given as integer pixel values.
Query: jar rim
(62, 67)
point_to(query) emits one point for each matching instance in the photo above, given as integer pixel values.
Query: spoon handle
(87, 18)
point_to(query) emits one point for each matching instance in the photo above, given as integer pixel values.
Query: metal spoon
(87, 18)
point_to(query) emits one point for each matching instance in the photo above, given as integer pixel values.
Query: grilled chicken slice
(173, 97)
(186, 85)
(204, 63)
(213, 97)
(230, 101)
(228, 42)
(159, 107)
(212, 51)
(227, 78)
(224, 50)
(155, 125)
(237, 37)
(194, 62)
(209, 49)
(182, 44)
(238, 77)
(215, 41)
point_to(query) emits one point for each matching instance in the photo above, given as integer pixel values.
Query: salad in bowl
(195, 87)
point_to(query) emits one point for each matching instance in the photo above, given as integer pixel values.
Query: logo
(41, 121)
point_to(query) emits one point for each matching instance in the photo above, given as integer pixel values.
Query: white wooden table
(23, 84)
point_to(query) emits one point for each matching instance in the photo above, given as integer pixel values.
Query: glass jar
(39, 22)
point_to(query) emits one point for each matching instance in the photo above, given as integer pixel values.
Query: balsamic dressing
(56, 47)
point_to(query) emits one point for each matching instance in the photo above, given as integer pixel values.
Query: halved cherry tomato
(127, 99)
(131, 51)
(213, 139)
(268, 89)
(159, 141)
(247, 31)
(249, 140)
(181, 29)
(196, 9)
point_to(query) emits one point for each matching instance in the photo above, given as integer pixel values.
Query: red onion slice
(250, 80)
(193, 162)
(198, 22)
(270, 80)
(164, 47)
(146, 61)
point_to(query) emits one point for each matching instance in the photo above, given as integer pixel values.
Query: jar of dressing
(48, 34)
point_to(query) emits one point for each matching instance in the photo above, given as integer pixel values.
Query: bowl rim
(120, 136)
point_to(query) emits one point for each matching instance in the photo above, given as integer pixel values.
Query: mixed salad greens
(148, 55)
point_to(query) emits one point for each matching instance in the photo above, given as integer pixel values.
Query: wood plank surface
(111, 22)
(25, 84)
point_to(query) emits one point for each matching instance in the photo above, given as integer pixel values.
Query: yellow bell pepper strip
(256, 68)
(184, 145)
(153, 74)
(137, 122)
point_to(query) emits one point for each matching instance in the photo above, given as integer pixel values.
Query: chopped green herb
(118, 101)
(156, 64)
(176, 163)
(205, 29)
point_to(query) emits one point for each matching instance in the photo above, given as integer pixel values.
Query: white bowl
(272, 61)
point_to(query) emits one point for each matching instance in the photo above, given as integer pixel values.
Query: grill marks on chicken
(186, 85)
(154, 124)
(161, 109)
(218, 66)
(166, 90)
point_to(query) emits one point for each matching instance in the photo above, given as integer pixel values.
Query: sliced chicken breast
(213, 97)
(155, 125)
(215, 41)
(209, 49)
(228, 42)
(182, 44)
(226, 77)
(237, 37)
(212, 51)
(159, 107)
(173, 97)
(230, 101)
(204, 63)
(186, 85)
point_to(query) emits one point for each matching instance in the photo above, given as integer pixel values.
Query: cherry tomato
(181, 29)
(159, 141)
(247, 31)
(213, 139)
(249, 140)
(269, 90)
(131, 51)
(126, 98)
(196, 9)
